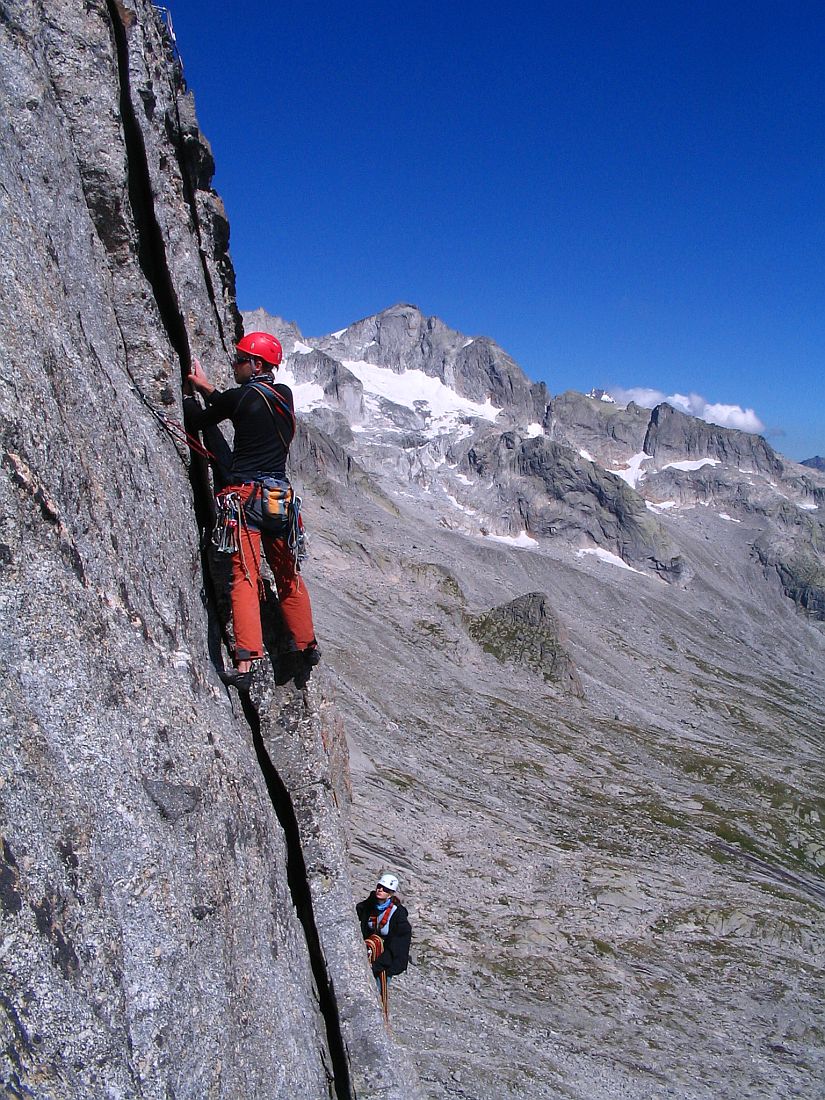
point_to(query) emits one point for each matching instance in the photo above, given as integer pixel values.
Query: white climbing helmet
(388, 880)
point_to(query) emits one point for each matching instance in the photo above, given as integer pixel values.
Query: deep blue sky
(620, 194)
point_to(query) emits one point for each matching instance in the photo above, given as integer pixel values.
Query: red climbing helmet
(262, 346)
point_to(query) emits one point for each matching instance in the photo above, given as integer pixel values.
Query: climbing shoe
(297, 664)
(311, 656)
(240, 680)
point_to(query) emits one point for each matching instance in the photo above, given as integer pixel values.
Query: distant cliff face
(152, 946)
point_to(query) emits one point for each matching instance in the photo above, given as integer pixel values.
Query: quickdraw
(226, 533)
(297, 539)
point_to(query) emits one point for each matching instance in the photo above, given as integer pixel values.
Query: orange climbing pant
(247, 590)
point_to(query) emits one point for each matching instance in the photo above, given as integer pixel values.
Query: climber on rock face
(260, 497)
(385, 927)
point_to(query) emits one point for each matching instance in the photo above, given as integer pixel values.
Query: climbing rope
(177, 431)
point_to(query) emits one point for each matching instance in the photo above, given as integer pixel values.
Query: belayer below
(258, 505)
(386, 929)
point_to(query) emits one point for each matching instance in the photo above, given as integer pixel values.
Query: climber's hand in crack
(197, 378)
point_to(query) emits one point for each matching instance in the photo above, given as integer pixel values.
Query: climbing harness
(272, 507)
(381, 918)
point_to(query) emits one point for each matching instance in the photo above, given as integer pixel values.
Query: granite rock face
(155, 940)
(548, 489)
(605, 429)
(677, 436)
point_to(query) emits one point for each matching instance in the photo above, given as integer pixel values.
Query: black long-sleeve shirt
(261, 439)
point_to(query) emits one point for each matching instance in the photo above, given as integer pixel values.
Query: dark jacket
(264, 427)
(396, 953)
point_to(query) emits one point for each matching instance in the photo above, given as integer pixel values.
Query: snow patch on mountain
(306, 395)
(457, 504)
(692, 464)
(601, 395)
(633, 473)
(522, 540)
(413, 386)
(609, 559)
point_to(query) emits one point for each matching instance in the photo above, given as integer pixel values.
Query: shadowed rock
(801, 572)
(548, 489)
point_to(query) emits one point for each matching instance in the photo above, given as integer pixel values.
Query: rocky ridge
(509, 460)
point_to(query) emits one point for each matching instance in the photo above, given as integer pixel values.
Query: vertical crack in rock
(151, 248)
(191, 202)
(153, 262)
(298, 882)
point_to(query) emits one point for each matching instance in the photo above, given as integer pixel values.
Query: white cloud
(647, 398)
(728, 416)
